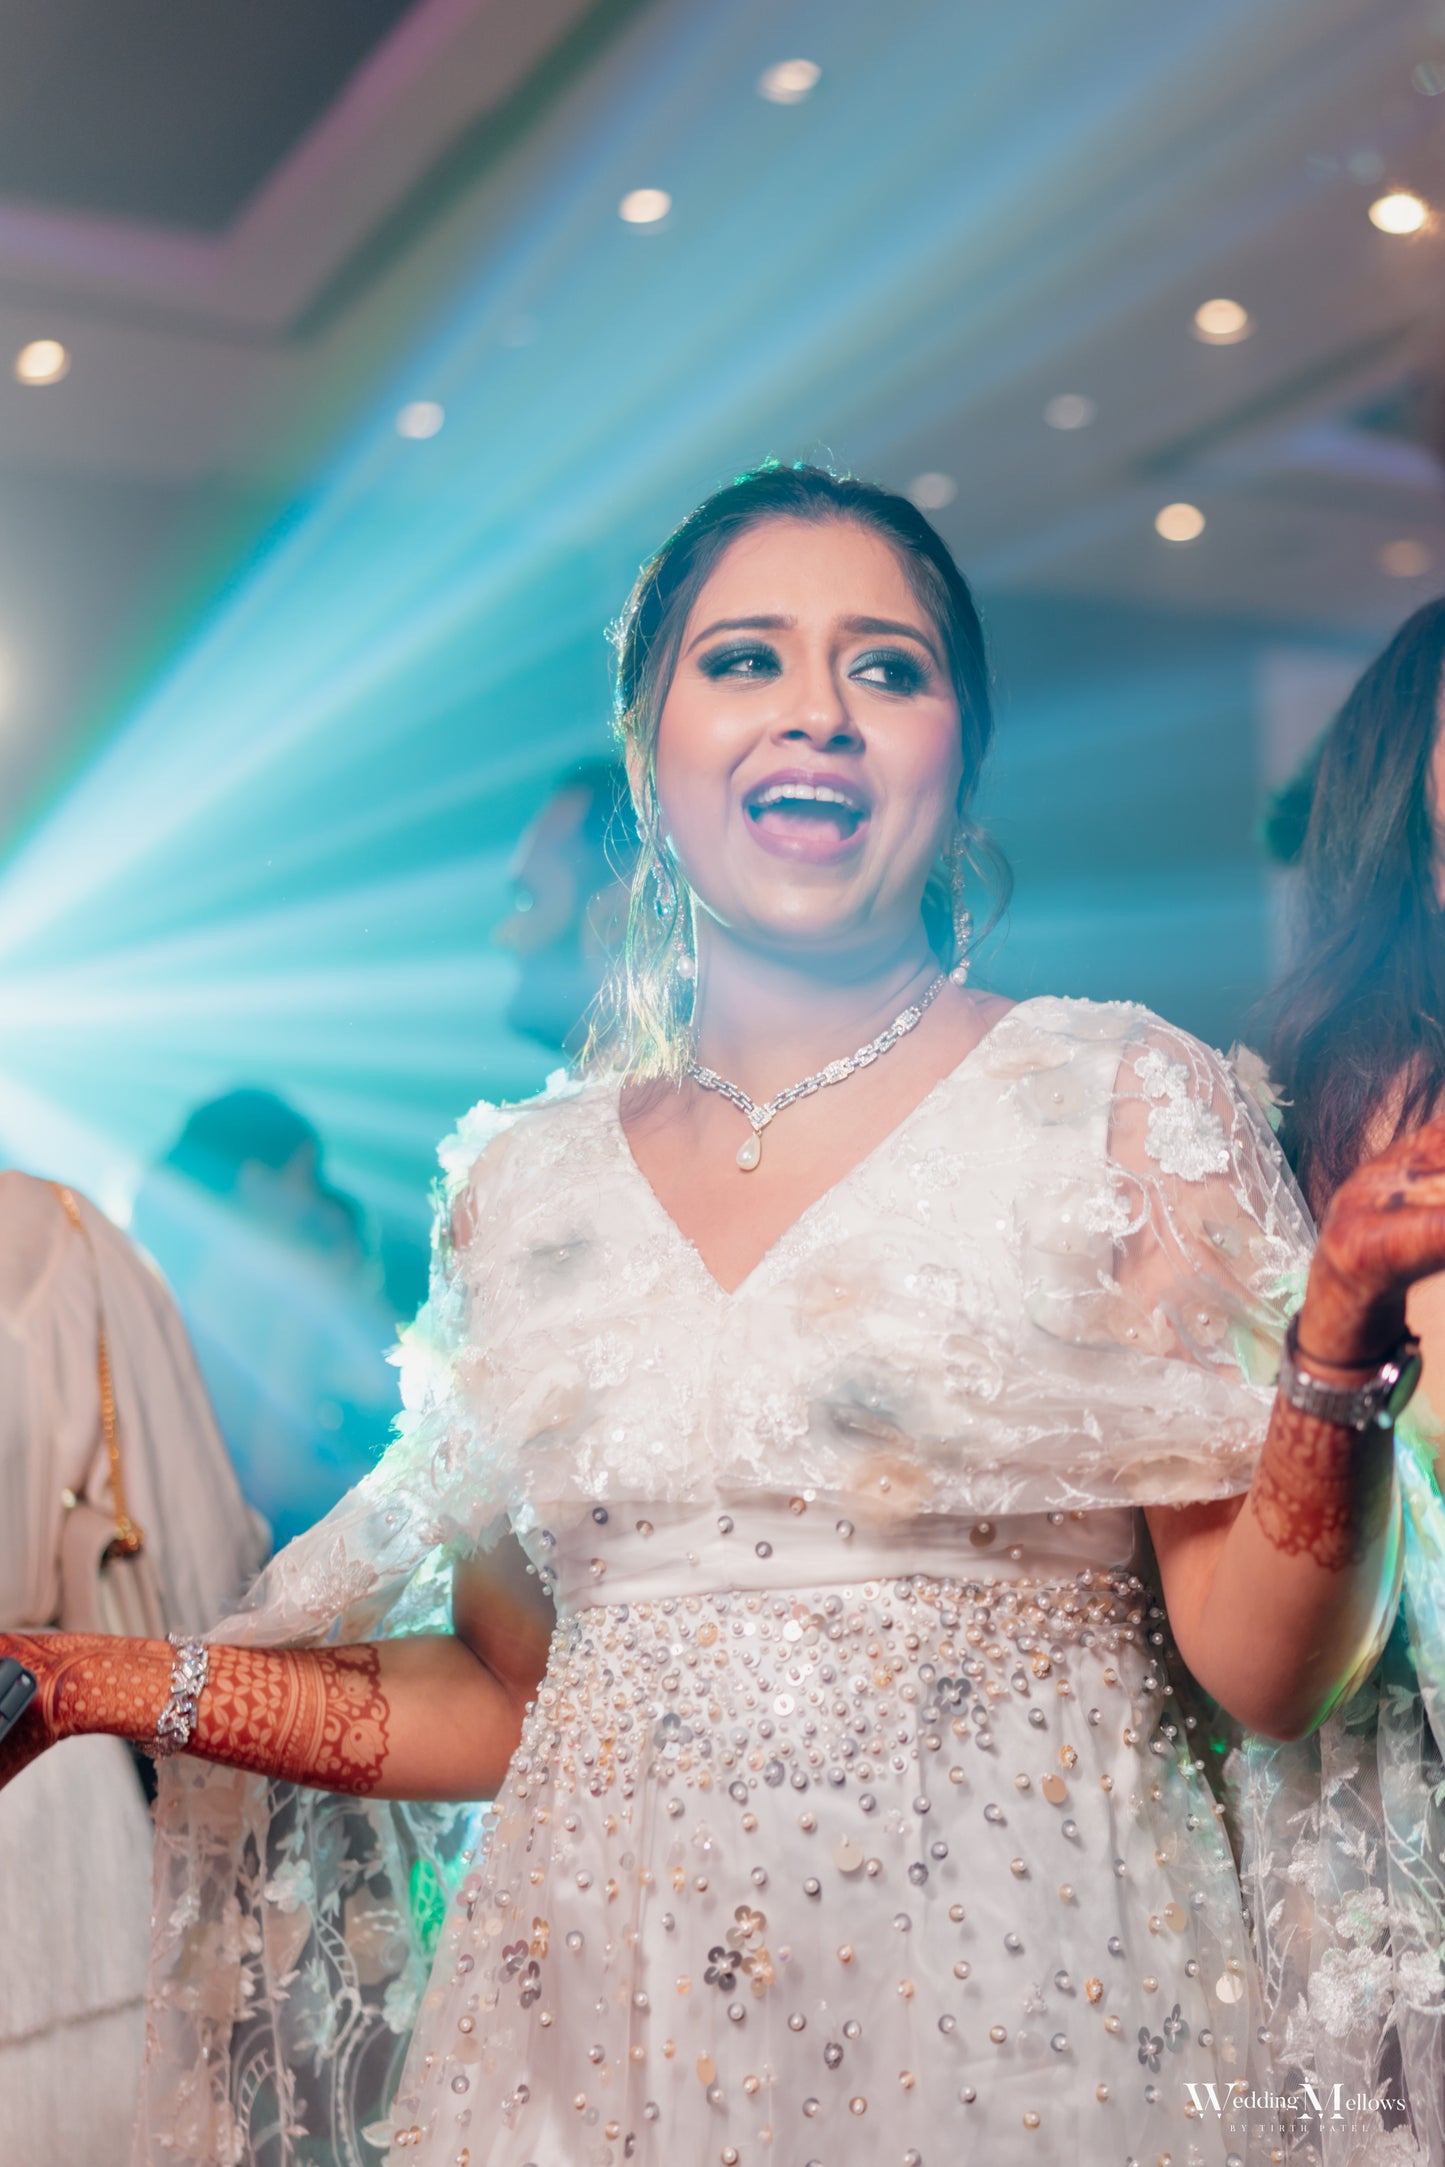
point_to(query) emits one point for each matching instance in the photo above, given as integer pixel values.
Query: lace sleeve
(1341, 1835)
(1213, 1237)
(1169, 1260)
(293, 1929)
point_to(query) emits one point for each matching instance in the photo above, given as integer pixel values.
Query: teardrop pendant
(750, 1152)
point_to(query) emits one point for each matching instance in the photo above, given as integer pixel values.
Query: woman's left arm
(1273, 1598)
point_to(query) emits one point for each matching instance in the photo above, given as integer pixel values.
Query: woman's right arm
(429, 1717)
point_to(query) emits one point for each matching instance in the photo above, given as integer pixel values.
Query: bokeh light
(42, 361)
(931, 492)
(1405, 559)
(1179, 522)
(1401, 211)
(1222, 322)
(420, 418)
(644, 206)
(788, 82)
(1070, 410)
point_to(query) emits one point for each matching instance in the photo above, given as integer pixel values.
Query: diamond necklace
(750, 1153)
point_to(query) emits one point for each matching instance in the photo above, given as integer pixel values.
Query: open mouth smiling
(810, 815)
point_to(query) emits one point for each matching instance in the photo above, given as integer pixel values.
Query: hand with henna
(434, 1716)
(1323, 1491)
(1383, 1231)
(79, 1680)
(1277, 1606)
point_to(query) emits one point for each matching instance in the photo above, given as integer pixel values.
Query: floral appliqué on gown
(857, 1819)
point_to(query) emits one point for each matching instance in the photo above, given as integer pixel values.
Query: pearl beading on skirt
(817, 1687)
(711, 1783)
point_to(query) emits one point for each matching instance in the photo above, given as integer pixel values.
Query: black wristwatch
(1374, 1405)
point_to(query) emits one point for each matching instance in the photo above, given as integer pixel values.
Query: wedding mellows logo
(1326, 2105)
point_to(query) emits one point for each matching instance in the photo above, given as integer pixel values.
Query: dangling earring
(664, 899)
(962, 915)
(673, 916)
(685, 962)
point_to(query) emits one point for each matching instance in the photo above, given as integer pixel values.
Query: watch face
(1403, 1389)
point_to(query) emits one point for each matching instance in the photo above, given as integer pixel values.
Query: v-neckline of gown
(834, 1189)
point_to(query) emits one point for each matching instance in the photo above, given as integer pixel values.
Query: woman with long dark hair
(801, 1392)
(1356, 1044)
(1357, 1026)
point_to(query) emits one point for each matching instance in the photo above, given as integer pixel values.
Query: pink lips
(806, 814)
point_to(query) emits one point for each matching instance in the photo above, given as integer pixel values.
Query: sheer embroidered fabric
(851, 1654)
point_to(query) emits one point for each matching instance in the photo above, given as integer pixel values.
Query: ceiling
(200, 203)
(167, 113)
(238, 218)
(306, 654)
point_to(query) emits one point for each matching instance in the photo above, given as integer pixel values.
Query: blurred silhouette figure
(571, 879)
(285, 1297)
(254, 1148)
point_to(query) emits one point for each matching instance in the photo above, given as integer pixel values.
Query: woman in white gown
(75, 1833)
(777, 1515)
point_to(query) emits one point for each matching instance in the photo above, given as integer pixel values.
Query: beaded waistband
(608, 1554)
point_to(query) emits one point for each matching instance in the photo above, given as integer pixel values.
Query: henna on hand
(1323, 1492)
(84, 1682)
(306, 1715)
(1319, 1491)
(1384, 1231)
(315, 1716)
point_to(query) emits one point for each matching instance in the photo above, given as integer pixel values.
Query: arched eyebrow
(867, 627)
(872, 626)
(743, 624)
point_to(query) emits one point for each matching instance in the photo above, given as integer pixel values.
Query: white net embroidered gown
(856, 1821)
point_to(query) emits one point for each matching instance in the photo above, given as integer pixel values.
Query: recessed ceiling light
(930, 492)
(1401, 211)
(1070, 410)
(1222, 323)
(788, 82)
(43, 361)
(644, 206)
(1405, 560)
(420, 419)
(1179, 523)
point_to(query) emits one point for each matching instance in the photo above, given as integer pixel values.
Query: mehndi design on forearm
(1320, 1492)
(314, 1716)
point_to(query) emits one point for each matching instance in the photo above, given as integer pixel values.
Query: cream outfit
(75, 1833)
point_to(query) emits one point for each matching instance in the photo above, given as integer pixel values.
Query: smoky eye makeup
(900, 670)
(896, 669)
(741, 659)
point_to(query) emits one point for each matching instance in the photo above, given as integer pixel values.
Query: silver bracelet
(176, 1726)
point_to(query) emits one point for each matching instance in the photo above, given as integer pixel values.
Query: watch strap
(1375, 1403)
